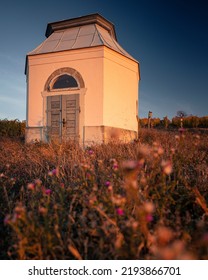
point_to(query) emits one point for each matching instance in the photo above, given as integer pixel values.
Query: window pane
(65, 81)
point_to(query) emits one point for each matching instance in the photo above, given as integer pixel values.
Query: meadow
(143, 200)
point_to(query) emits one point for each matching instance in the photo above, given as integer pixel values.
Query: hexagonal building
(81, 84)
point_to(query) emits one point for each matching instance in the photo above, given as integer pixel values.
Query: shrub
(12, 128)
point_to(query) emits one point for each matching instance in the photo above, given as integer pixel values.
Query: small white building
(81, 84)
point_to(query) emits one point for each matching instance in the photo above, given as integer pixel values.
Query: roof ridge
(99, 35)
(121, 49)
(36, 49)
(93, 38)
(102, 39)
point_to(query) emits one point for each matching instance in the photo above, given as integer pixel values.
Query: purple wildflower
(107, 183)
(120, 211)
(48, 191)
(149, 218)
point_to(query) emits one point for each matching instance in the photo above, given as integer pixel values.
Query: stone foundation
(90, 135)
(33, 134)
(106, 134)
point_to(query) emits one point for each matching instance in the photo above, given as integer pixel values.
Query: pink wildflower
(48, 191)
(107, 183)
(91, 152)
(114, 164)
(53, 172)
(149, 218)
(119, 211)
(88, 176)
(115, 167)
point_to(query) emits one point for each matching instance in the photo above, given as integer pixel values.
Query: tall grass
(142, 200)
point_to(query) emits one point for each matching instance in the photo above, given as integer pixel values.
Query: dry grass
(143, 200)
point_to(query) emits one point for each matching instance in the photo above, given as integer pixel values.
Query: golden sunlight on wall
(121, 80)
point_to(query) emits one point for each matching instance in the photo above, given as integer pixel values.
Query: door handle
(64, 122)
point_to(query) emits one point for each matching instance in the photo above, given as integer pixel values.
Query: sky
(169, 39)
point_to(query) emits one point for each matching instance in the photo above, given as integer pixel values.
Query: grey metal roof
(84, 32)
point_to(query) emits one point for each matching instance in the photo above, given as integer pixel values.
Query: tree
(166, 122)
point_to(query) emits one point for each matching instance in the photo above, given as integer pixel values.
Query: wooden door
(63, 117)
(70, 116)
(54, 117)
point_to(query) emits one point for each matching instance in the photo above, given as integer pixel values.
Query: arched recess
(66, 70)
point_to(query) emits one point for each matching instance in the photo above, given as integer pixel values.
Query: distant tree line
(12, 128)
(16, 128)
(187, 122)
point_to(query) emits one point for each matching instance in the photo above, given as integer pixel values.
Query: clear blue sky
(168, 37)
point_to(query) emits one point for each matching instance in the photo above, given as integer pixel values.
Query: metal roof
(80, 21)
(84, 32)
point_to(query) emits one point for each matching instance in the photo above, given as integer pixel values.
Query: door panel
(70, 105)
(54, 116)
(63, 116)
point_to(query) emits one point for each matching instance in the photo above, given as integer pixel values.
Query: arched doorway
(63, 106)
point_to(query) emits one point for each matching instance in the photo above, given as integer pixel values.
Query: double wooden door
(63, 117)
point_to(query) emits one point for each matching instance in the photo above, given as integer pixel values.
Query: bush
(203, 122)
(12, 128)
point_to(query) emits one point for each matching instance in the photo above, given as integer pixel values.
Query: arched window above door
(64, 78)
(64, 81)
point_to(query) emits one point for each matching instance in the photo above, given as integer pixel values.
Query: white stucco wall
(121, 80)
(88, 62)
(108, 99)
